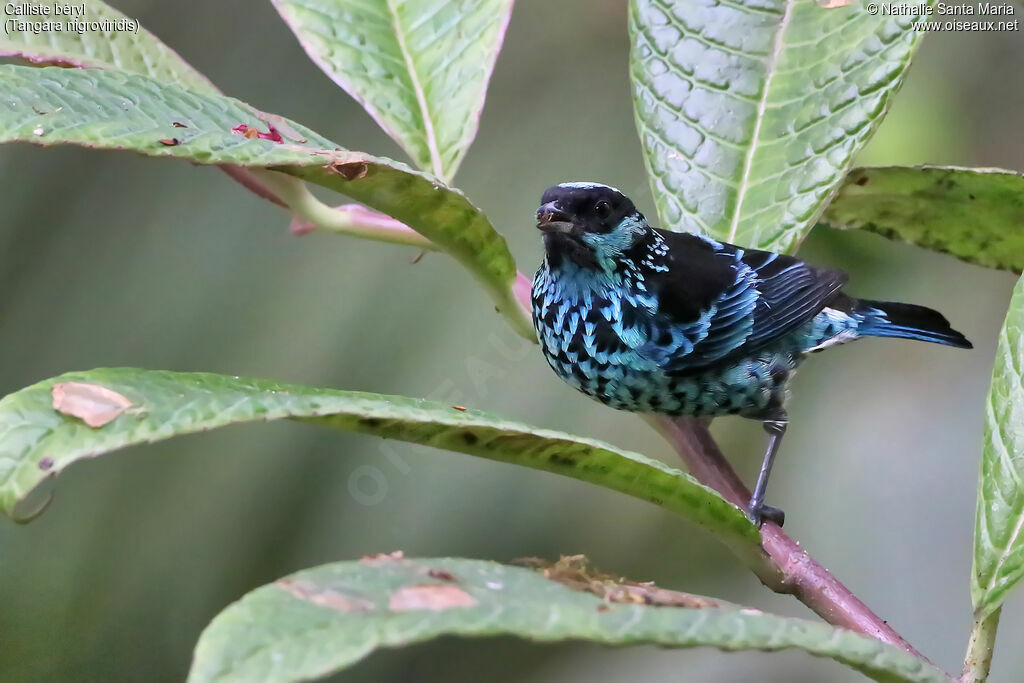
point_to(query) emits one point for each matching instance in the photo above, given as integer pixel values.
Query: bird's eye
(602, 209)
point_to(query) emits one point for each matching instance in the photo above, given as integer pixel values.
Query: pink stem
(792, 570)
(249, 181)
(375, 224)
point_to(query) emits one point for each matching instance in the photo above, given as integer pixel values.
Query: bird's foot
(759, 513)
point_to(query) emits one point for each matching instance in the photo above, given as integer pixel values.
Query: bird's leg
(758, 511)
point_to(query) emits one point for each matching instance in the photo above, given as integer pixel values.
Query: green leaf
(321, 620)
(124, 46)
(999, 524)
(975, 214)
(115, 110)
(135, 49)
(131, 406)
(750, 111)
(419, 68)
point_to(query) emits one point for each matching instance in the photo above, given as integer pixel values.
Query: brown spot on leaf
(574, 571)
(91, 403)
(418, 257)
(351, 171)
(170, 142)
(431, 596)
(46, 464)
(441, 574)
(861, 181)
(459, 408)
(324, 597)
(178, 124)
(563, 460)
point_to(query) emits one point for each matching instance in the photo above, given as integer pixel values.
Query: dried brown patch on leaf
(575, 572)
(441, 574)
(93, 404)
(324, 597)
(353, 170)
(431, 596)
(649, 594)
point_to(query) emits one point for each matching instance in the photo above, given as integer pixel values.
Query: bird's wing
(792, 292)
(731, 301)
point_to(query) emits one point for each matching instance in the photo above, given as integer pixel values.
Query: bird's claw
(759, 513)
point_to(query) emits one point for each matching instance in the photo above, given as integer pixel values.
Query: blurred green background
(107, 259)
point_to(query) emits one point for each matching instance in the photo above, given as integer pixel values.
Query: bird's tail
(907, 321)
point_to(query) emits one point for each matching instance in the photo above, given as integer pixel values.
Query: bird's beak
(551, 218)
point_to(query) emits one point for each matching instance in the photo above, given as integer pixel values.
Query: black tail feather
(908, 321)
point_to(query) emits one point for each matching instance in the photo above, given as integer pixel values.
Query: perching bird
(652, 321)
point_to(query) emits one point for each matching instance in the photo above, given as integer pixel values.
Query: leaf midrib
(421, 97)
(762, 107)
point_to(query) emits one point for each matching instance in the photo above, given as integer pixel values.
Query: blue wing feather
(726, 301)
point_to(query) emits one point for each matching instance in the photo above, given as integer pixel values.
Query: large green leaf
(134, 49)
(115, 110)
(999, 525)
(131, 406)
(419, 67)
(318, 621)
(125, 47)
(750, 111)
(975, 214)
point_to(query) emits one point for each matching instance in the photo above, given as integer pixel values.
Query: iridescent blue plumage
(660, 322)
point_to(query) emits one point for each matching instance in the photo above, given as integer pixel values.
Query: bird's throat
(562, 248)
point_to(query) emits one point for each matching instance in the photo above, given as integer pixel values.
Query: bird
(676, 323)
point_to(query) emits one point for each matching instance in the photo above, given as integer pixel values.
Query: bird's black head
(590, 224)
(582, 207)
